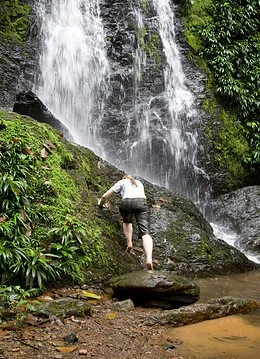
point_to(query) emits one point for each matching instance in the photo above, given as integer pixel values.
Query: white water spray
(182, 142)
(161, 145)
(160, 142)
(180, 99)
(74, 68)
(230, 237)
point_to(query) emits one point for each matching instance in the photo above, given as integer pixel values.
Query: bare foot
(129, 250)
(149, 266)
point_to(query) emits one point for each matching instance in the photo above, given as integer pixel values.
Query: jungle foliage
(226, 35)
(14, 19)
(43, 237)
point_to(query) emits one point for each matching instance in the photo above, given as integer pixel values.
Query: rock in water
(155, 289)
(213, 309)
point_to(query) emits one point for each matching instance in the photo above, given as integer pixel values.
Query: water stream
(231, 337)
(74, 85)
(73, 82)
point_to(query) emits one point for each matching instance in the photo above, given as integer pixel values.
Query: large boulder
(240, 211)
(155, 289)
(184, 242)
(27, 103)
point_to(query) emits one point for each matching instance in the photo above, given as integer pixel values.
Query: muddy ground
(104, 334)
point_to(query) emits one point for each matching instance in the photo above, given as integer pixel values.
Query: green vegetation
(144, 5)
(43, 234)
(230, 146)
(148, 42)
(15, 302)
(225, 40)
(14, 19)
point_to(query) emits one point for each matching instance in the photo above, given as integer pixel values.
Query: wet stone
(65, 307)
(155, 289)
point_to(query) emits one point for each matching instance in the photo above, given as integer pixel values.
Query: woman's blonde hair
(132, 180)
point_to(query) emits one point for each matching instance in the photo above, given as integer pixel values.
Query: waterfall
(116, 110)
(158, 139)
(74, 69)
(166, 143)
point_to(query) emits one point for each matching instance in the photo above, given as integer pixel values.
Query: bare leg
(128, 231)
(148, 248)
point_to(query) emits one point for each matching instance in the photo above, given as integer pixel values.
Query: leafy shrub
(231, 43)
(13, 298)
(41, 238)
(14, 19)
(224, 36)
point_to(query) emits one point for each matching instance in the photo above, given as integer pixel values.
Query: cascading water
(164, 148)
(74, 67)
(152, 134)
(74, 83)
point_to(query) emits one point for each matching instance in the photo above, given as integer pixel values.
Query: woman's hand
(102, 205)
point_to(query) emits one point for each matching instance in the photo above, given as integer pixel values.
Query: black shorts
(138, 208)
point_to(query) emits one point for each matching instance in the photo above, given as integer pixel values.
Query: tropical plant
(35, 267)
(72, 230)
(13, 298)
(40, 240)
(229, 41)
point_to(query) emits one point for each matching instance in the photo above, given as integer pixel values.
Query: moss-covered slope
(52, 231)
(50, 227)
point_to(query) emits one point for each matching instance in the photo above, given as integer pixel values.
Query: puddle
(233, 337)
(238, 285)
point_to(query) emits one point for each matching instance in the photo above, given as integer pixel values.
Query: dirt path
(106, 334)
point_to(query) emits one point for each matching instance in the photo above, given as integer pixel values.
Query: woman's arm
(102, 200)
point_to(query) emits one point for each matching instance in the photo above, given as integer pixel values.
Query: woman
(133, 204)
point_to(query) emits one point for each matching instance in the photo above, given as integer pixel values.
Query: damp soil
(124, 334)
(105, 334)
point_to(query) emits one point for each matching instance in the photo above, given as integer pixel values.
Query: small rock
(123, 306)
(83, 352)
(71, 338)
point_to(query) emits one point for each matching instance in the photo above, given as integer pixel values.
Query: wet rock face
(126, 41)
(18, 62)
(240, 211)
(155, 289)
(184, 241)
(27, 103)
(17, 68)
